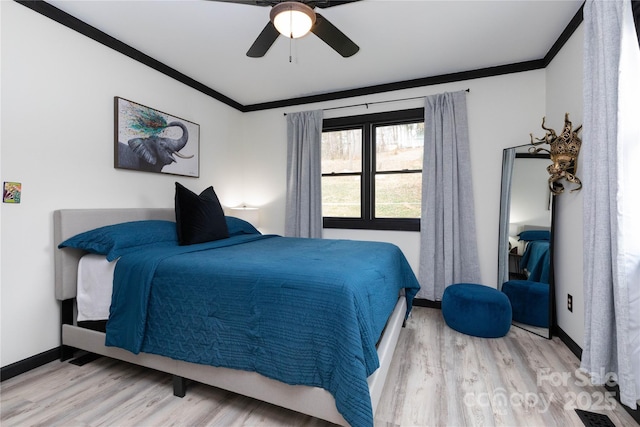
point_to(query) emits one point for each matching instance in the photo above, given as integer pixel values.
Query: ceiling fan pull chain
(291, 31)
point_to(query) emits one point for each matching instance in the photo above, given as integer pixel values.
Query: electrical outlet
(569, 302)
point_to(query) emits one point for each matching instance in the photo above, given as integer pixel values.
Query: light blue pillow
(118, 239)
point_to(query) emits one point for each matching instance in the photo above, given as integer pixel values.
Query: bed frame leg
(66, 318)
(66, 352)
(179, 386)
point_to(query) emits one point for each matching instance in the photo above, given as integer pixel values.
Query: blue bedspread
(301, 311)
(536, 260)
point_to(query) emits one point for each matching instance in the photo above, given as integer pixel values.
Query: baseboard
(570, 343)
(28, 364)
(635, 413)
(418, 302)
(48, 356)
(577, 351)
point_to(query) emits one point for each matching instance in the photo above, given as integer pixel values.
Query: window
(372, 171)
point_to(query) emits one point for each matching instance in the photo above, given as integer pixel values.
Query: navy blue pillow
(199, 218)
(531, 235)
(117, 239)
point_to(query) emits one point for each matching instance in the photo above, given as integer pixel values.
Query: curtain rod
(366, 104)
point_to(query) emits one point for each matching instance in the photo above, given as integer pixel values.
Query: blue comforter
(536, 260)
(301, 311)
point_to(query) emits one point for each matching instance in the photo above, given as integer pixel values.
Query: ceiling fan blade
(329, 3)
(335, 38)
(248, 2)
(264, 41)
(311, 3)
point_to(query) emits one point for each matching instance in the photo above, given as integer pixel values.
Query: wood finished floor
(438, 377)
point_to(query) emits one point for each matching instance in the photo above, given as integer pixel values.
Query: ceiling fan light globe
(292, 19)
(301, 24)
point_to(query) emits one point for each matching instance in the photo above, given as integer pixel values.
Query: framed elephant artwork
(152, 141)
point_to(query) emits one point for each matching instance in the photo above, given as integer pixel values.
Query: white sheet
(95, 283)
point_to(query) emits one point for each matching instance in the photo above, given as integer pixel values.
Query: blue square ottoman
(476, 310)
(529, 301)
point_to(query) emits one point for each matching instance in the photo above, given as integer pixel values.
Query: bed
(535, 261)
(245, 377)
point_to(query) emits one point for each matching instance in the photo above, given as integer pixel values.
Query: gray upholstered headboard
(69, 222)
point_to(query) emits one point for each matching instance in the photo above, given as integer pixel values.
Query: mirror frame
(504, 237)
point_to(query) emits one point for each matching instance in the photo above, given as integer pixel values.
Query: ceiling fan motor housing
(292, 19)
(316, 23)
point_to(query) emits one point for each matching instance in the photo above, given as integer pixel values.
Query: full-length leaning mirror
(525, 249)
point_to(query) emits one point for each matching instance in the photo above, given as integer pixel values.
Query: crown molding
(93, 33)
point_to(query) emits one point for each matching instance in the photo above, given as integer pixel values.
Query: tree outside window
(372, 170)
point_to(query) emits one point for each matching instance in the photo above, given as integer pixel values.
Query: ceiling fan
(284, 17)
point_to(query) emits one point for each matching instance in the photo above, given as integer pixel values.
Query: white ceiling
(399, 40)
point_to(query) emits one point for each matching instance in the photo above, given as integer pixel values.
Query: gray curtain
(508, 158)
(610, 276)
(448, 247)
(303, 211)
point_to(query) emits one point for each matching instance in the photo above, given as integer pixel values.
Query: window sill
(392, 224)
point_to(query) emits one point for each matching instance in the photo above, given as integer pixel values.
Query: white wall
(530, 193)
(530, 198)
(564, 95)
(57, 139)
(502, 112)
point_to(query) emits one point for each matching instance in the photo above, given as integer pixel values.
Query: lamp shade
(292, 19)
(251, 215)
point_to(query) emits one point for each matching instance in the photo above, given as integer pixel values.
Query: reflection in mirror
(525, 270)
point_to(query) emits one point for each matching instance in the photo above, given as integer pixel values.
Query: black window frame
(367, 123)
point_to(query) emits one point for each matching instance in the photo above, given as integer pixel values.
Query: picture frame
(12, 191)
(150, 140)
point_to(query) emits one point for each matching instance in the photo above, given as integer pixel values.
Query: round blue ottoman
(476, 310)
(529, 301)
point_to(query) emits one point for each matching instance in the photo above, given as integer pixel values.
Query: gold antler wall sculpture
(563, 150)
